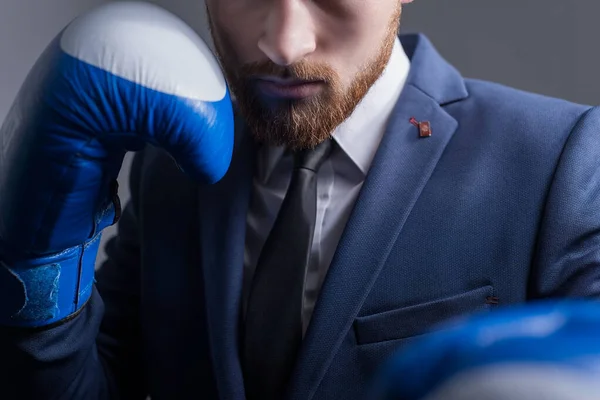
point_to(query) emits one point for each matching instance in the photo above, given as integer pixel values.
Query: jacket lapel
(223, 208)
(401, 168)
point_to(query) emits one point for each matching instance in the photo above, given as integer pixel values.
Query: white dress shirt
(338, 181)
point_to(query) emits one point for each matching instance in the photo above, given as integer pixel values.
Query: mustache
(302, 70)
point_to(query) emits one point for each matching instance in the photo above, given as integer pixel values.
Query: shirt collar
(360, 134)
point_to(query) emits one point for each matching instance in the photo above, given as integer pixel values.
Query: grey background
(26, 28)
(545, 46)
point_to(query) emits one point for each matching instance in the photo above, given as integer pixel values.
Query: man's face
(298, 68)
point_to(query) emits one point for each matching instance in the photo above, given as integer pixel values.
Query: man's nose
(289, 32)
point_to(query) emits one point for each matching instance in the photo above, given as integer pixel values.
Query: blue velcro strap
(41, 291)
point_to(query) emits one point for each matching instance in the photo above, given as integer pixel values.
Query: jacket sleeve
(95, 354)
(567, 262)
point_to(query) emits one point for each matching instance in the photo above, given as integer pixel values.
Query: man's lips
(289, 89)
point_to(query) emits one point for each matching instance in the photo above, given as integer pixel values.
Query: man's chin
(296, 139)
(282, 131)
(294, 124)
(276, 108)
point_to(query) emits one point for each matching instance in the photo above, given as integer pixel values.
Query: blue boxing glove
(116, 78)
(538, 351)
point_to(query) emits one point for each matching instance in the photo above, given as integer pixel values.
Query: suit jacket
(498, 206)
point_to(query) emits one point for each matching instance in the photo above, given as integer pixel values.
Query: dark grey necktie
(273, 328)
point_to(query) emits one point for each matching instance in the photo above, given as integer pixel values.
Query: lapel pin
(424, 127)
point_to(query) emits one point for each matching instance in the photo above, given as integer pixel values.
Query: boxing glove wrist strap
(41, 291)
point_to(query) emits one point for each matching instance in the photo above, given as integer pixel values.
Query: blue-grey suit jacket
(500, 205)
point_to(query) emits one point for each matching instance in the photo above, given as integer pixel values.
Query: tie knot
(312, 159)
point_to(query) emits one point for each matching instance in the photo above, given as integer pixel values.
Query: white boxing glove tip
(147, 45)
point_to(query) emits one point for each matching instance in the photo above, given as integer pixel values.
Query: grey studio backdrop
(545, 46)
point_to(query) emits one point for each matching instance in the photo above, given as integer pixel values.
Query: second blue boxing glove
(545, 350)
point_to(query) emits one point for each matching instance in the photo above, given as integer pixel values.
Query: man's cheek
(238, 43)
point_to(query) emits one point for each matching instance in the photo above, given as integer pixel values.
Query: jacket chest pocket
(406, 322)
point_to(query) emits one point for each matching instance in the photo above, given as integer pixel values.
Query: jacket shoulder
(513, 130)
(512, 119)
(522, 110)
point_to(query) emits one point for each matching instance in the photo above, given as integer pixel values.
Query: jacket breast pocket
(406, 322)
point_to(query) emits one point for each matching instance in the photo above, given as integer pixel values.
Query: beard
(304, 123)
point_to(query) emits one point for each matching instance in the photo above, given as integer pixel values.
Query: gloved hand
(538, 351)
(116, 78)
